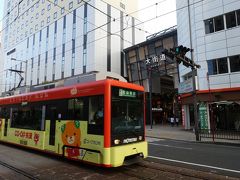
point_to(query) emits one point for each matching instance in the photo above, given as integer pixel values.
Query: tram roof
(77, 90)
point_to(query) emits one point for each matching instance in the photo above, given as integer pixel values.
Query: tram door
(6, 117)
(50, 127)
(53, 118)
(5, 127)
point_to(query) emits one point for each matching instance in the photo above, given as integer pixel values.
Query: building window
(43, 10)
(49, 7)
(37, 4)
(55, 2)
(48, 19)
(74, 16)
(42, 23)
(218, 23)
(62, 10)
(55, 15)
(234, 63)
(231, 19)
(122, 5)
(64, 22)
(214, 24)
(209, 26)
(70, 5)
(238, 17)
(37, 15)
(217, 66)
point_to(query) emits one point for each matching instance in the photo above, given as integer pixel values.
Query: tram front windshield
(127, 112)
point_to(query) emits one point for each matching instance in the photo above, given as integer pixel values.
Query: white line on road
(152, 139)
(165, 145)
(194, 164)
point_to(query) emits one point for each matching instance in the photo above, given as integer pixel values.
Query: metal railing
(219, 134)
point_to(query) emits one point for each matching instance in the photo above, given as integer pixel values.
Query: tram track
(149, 170)
(144, 172)
(18, 171)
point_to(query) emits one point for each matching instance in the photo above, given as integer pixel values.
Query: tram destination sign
(127, 93)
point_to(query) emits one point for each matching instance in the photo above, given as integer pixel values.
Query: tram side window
(56, 110)
(96, 115)
(78, 108)
(26, 117)
(4, 112)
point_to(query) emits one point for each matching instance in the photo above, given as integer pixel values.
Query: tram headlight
(140, 138)
(116, 141)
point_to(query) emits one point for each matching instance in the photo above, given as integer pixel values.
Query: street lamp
(13, 59)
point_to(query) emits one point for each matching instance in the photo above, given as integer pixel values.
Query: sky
(164, 11)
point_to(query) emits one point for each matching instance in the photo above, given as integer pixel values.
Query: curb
(203, 142)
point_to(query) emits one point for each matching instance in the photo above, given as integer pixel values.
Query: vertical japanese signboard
(183, 117)
(203, 116)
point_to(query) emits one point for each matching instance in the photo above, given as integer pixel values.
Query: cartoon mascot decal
(71, 137)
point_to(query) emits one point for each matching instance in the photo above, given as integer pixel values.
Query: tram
(101, 122)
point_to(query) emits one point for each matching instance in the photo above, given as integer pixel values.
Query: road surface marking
(165, 145)
(152, 139)
(194, 164)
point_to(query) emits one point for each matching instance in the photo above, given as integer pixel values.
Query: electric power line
(128, 27)
(131, 26)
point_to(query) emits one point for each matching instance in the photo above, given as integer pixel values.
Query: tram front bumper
(125, 154)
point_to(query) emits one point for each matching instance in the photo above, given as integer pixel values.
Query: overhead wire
(120, 31)
(82, 19)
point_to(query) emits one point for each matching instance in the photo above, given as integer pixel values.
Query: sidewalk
(179, 133)
(168, 132)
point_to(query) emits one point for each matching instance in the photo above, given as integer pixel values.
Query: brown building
(147, 66)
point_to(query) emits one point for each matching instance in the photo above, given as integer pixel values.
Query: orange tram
(100, 122)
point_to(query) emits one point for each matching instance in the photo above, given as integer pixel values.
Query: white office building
(212, 29)
(50, 40)
(1, 65)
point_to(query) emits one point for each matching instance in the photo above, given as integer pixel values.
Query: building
(160, 77)
(50, 40)
(1, 65)
(212, 29)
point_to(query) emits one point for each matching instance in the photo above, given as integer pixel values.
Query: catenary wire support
(21, 78)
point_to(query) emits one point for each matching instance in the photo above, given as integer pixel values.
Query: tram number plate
(23, 142)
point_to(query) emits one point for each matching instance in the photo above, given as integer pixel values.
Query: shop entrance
(225, 116)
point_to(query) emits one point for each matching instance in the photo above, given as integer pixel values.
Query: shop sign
(155, 60)
(203, 116)
(186, 86)
(183, 117)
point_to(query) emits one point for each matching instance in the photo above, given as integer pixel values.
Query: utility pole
(196, 121)
(194, 73)
(179, 53)
(150, 95)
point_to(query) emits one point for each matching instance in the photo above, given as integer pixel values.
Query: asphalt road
(21, 164)
(220, 159)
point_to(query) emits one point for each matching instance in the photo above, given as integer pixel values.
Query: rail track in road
(145, 170)
(151, 170)
(18, 171)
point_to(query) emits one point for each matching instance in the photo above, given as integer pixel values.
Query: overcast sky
(164, 11)
(163, 14)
